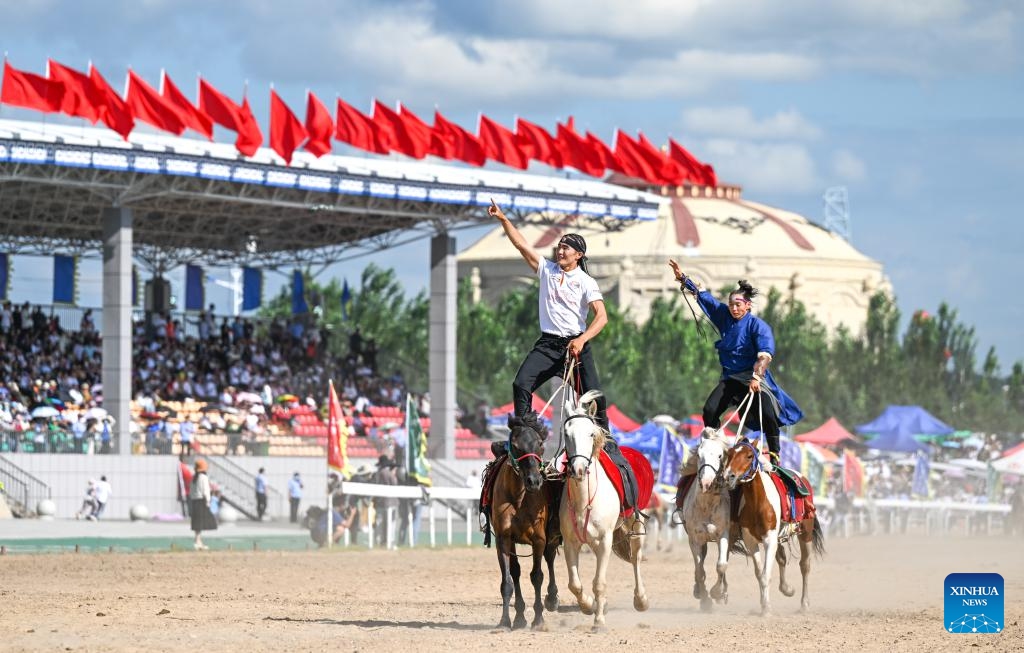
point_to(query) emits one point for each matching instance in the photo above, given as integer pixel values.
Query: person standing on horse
(746, 348)
(567, 296)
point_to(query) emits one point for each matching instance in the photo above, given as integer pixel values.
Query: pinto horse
(705, 515)
(522, 513)
(591, 512)
(760, 524)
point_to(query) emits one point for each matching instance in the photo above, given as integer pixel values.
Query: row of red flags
(88, 95)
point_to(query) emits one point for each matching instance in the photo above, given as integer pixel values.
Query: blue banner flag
(64, 273)
(922, 466)
(193, 288)
(252, 288)
(298, 294)
(671, 458)
(5, 276)
(346, 301)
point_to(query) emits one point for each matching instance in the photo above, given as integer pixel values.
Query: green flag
(416, 446)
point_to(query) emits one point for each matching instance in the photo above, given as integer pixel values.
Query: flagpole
(330, 426)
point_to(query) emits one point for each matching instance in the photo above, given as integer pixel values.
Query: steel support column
(441, 359)
(117, 322)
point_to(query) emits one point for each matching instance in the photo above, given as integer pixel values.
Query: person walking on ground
(199, 495)
(261, 494)
(295, 488)
(103, 492)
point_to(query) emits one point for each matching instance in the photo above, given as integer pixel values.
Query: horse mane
(530, 420)
(600, 438)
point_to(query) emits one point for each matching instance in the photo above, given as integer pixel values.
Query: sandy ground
(868, 594)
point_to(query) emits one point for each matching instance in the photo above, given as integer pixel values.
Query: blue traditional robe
(738, 348)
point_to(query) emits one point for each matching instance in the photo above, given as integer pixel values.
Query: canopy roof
(205, 202)
(830, 433)
(904, 421)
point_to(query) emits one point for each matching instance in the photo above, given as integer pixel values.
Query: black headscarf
(577, 242)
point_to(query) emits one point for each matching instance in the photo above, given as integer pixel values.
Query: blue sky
(915, 107)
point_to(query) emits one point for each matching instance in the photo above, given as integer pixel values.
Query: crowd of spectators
(247, 373)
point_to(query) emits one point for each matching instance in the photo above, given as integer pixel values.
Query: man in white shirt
(567, 295)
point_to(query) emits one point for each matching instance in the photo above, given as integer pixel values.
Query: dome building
(716, 237)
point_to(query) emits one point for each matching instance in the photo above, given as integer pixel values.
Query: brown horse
(760, 525)
(522, 510)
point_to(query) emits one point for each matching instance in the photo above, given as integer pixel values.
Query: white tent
(1012, 464)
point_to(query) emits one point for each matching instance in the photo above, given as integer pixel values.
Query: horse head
(711, 451)
(741, 463)
(583, 437)
(526, 448)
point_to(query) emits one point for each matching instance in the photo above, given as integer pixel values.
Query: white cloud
(739, 122)
(848, 167)
(785, 168)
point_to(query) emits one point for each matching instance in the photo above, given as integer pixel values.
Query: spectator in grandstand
(186, 431)
(295, 488)
(199, 496)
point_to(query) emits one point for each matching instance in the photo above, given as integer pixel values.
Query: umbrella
(43, 412)
(55, 402)
(285, 399)
(248, 397)
(96, 413)
(75, 395)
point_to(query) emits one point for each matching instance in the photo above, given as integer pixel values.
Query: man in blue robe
(745, 350)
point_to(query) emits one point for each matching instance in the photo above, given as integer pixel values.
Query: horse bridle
(755, 463)
(516, 460)
(719, 477)
(569, 459)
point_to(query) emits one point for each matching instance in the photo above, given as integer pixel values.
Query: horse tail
(818, 538)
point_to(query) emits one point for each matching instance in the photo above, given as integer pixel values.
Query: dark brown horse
(522, 506)
(759, 521)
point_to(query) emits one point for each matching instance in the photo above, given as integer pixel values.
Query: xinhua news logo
(974, 603)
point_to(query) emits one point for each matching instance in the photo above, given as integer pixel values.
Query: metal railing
(23, 490)
(237, 486)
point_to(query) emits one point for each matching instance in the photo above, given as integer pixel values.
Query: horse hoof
(699, 591)
(519, 623)
(599, 628)
(551, 603)
(705, 604)
(787, 591)
(539, 627)
(640, 603)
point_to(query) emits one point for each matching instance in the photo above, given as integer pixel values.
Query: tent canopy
(619, 420)
(900, 421)
(829, 434)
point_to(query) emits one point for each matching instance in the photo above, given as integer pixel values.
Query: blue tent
(646, 439)
(896, 427)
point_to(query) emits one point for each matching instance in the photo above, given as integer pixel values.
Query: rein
(755, 463)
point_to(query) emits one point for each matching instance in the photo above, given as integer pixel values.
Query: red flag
(453, 142)
(319, 126)
(113, 111)
(576, 152)
(147, 105)
(853, 474)
(31, 91)
(190, 116)
(397, 135)
(537, 144)
(358, 130)
(697, 172)
(80, 96)
(286, 132)
(635, 161)
(337, 434)
(500, 144)
(669, 171)
(419, 132)
(603, 153)
(223, 111)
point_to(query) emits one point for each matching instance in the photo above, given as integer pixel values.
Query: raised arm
(515, 237)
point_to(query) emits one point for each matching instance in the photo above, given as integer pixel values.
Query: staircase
(23, 490)
(238, 486)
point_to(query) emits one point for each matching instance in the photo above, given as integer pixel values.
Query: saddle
(490, 475)
(632, 477)
(795, 494)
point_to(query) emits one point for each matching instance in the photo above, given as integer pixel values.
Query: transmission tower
(837, 212)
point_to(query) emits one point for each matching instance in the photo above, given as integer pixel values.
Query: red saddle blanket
(794, 507)
(641, 470)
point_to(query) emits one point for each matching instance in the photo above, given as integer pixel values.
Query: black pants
(546, 361)
(294, 505)
(728, 394)
(261, 505)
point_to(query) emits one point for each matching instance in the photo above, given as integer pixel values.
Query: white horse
(705, 514)
(590, 513)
